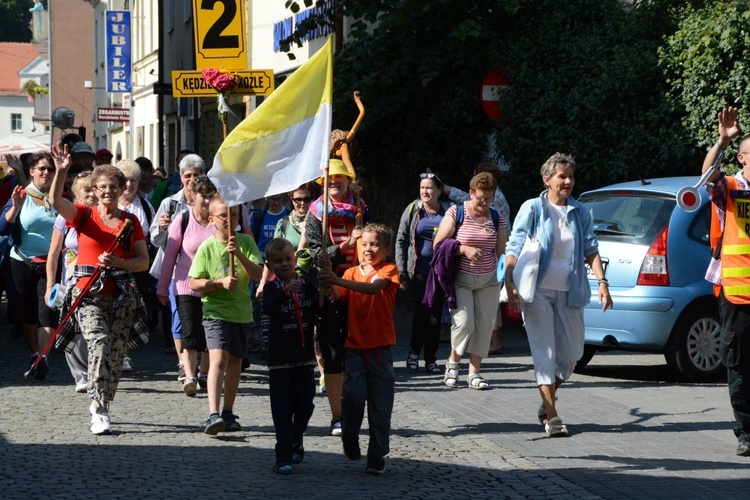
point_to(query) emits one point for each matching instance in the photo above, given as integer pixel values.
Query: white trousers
(555, 333)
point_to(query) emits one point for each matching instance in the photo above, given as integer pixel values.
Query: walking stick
(324, 230)
(124, 231)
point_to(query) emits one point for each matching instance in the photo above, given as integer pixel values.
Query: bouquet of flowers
(223, 82)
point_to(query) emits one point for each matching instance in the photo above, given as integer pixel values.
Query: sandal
(556, 428)
(476, 381)
(451, 374)
(433, 368)
(412, 362)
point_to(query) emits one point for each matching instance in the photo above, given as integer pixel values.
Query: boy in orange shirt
(370, 289)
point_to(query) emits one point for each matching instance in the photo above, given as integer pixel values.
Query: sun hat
(336, 167)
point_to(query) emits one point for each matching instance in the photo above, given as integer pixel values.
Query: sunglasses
(306, 199)
(45, 169)
(430, 175)
(83, 174)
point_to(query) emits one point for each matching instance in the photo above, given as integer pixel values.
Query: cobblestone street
(635, 433)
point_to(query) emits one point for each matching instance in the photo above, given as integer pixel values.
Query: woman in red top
(112, 315)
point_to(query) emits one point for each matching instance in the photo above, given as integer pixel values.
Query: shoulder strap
(184, 220)
(284, 225)
(144, 205)
(258, 222)
(495, 218)
(459, 215)
(412, 210)
(537, 205)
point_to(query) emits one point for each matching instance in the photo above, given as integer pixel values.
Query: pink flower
(221, 81)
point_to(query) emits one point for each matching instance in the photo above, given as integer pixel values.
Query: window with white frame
(16, 124)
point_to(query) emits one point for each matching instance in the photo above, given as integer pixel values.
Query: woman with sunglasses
(28, 217)
(291, 227)
(416, 231)
(477, 237)
(65, 244)
(112, 315)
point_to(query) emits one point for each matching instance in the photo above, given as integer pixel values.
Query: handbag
(527, 269)
(527, 266)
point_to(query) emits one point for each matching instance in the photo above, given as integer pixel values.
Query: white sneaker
(127, 364)
(82, 386)
(190, 387)
(100, 424)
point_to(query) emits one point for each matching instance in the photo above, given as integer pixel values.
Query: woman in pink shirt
(188, 230)
(481, 233)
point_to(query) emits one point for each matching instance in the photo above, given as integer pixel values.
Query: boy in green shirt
(226, 310)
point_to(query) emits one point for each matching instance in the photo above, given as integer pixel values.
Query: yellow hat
(336, 167)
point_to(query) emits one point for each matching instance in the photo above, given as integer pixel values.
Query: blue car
(655, 256)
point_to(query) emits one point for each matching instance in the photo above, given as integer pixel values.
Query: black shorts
(31, 288)
(190, 310)
(332, 336)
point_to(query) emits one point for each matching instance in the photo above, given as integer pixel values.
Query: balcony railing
(39, 25)
(41, 107)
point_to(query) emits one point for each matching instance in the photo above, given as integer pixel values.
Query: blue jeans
(369, 379)
(292, 392)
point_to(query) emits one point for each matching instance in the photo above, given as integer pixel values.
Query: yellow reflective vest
(735, 250)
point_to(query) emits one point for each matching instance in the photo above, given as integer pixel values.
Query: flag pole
(324, 231)
(225, 133)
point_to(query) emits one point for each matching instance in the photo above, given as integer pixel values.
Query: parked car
(656, 257)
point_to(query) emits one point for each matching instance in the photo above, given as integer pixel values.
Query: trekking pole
(124, 231)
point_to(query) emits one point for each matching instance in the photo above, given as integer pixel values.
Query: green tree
(707, 63)
(14, 20)
(584, 79)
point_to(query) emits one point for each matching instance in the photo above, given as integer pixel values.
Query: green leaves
(604, 80)
(705, 61)
(14, 21)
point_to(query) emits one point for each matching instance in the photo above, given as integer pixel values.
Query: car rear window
(632, 216)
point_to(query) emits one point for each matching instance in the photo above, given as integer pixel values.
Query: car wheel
(692, 352)
(588, 353)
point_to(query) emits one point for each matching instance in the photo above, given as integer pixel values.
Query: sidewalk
(634, 434)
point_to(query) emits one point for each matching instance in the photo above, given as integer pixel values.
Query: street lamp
(64, 118)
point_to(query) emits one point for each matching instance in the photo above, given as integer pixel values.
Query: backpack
(258, 222)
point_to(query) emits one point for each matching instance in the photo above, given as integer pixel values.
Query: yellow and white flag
(285, 142)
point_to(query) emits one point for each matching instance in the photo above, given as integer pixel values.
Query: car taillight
(654, 267)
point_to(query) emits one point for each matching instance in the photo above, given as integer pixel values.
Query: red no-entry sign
(489, 92)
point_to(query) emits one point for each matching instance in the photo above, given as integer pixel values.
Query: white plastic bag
(527, 269)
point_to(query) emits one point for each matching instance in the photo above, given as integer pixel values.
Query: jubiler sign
(250, 82)
(117, 31)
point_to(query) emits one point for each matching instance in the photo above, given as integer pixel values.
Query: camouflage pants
(106, 330)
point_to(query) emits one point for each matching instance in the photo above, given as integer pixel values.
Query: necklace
(430, 214)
